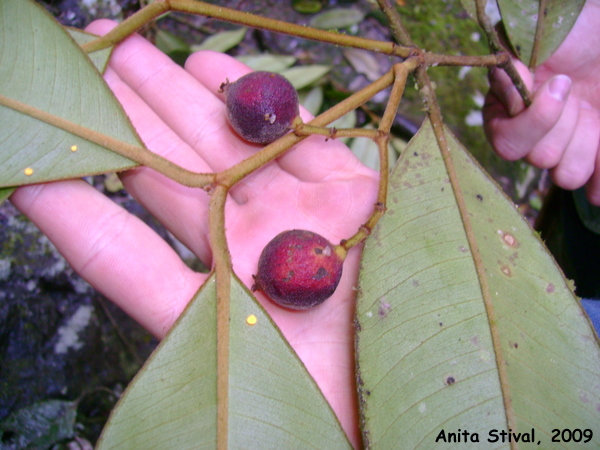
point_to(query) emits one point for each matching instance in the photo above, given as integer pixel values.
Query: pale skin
(318, 186)
(561, 129)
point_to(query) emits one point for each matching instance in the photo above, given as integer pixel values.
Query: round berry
(298, 269)
(261, 106)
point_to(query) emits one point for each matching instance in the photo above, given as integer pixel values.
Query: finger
(196, 114)
(514, 137)
(113, 250)
(505, 92)
(314, 159)
(548, 152)
(180, 209)
(578, 162)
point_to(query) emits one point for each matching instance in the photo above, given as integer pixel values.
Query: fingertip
(571, 177)
(213, 68)
(101, 26)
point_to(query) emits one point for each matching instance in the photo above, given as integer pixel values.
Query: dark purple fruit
(298, 269)
(261, 106)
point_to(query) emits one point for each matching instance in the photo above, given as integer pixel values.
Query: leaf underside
(427, 361)
(273, 401)
(520, 18)
(42, 66)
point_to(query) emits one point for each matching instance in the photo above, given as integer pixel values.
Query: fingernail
(559, 87)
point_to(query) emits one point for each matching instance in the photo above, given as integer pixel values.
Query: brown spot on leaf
(550, 288)
(450, 381)
(506, 270)
(509, 239)
(384, 308)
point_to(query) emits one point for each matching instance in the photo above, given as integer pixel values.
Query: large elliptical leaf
(426, 357)
(42, 66)
(520, 18)
(273, 401)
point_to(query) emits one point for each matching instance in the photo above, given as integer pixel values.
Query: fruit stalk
(382, 138)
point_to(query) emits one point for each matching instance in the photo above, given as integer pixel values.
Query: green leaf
(363, 62)
(348, 120)
(312, 100)
(5, 193)
(366, 150)
(273, 402)
(431, 355)
(99, 58)
(337, 18)
(303, 76)
(42, 67)
(271, 63)
(40, 425)
(307, 6)
(175, 47)
(470, 8)
(223, 41)
(520, 18)
(167, 42)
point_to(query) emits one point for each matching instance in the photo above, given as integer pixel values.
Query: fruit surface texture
(298, 269)
(261, 106)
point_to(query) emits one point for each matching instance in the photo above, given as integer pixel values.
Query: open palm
(318, 185)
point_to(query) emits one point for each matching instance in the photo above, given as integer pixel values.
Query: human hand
(317, 185)
(560, 131)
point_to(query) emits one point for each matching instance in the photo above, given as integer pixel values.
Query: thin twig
(539, 33)
(497, 47)
(398, 30)
(223, 272)
(143, 16)
(382, 139)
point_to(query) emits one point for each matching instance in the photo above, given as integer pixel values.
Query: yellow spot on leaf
(251, 320)
(73, 148)
(28, 171)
